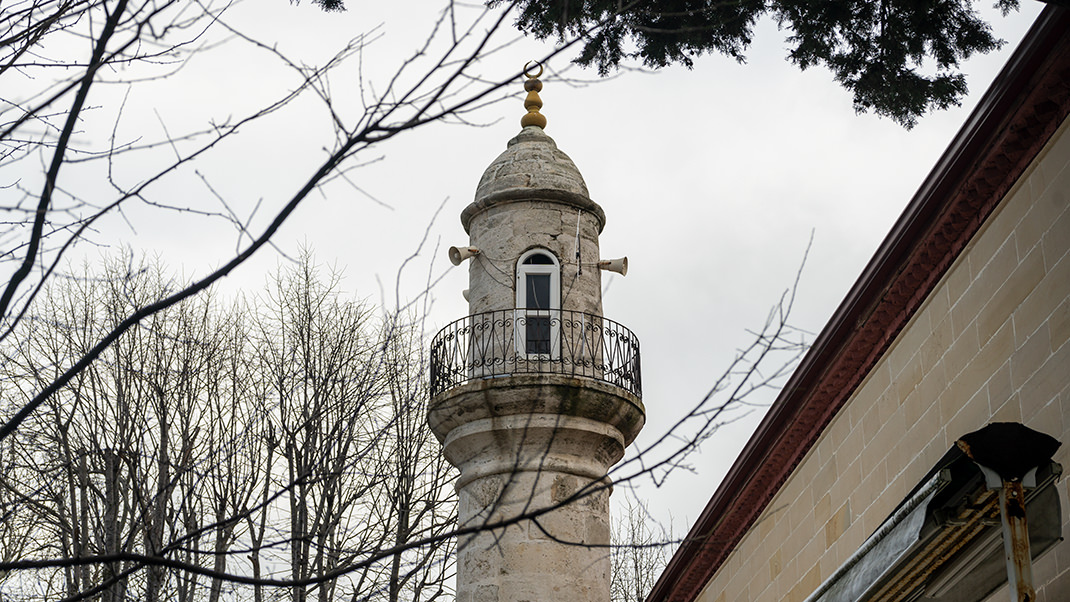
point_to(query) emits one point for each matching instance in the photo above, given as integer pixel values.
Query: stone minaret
(535, 394)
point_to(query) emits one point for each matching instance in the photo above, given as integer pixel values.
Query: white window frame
(553, 312)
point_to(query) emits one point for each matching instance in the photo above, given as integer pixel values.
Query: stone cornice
(517, 195)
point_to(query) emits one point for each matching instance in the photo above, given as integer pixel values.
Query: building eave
(1012, 122)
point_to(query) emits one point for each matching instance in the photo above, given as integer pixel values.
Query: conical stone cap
(532, 168)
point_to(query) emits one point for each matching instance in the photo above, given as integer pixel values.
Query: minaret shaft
(538, 447)
(535, 395)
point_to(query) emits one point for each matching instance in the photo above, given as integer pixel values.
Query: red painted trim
(1018, 114)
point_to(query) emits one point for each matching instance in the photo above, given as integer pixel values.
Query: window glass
(538, 259)
(538, 291)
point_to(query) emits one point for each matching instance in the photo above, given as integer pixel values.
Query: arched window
(538, 303)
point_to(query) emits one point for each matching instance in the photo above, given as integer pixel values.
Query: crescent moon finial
(532, 102)
(527, 70)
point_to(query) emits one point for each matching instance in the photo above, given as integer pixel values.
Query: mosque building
(915, 455)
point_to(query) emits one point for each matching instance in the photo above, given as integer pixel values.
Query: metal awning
(944, 543)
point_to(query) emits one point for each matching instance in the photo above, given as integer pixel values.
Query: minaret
(535, 394)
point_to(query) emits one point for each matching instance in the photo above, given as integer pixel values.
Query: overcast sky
(712, 181)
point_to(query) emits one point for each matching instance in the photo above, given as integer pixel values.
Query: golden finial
(533, 103)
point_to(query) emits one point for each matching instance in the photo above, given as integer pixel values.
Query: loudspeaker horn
(459, 254)
(619, 266)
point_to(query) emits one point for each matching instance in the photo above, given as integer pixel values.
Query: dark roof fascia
(1016, 116)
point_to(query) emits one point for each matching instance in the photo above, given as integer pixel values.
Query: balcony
(524, 341)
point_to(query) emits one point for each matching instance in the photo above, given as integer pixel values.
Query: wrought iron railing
(525, 341)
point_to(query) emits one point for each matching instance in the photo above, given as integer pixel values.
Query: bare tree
(419, 481)
(640, 551)
(319, 362)
(282, 432)
(110, 463)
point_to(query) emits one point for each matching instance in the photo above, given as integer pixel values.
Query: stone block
(1009, 295)
(810, 582)
(1056, 242)
(1046, 384)
(993, 256)
(936, 344)
(1043, 301)
(958, 281)
(837, 525)
(1032, 354)
(775, 565)
(1059, 325)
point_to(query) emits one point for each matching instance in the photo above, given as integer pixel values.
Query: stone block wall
(989, 344)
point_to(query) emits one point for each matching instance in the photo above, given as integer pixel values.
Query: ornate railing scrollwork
(520, 341)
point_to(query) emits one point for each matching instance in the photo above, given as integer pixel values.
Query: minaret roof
(532, 168)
